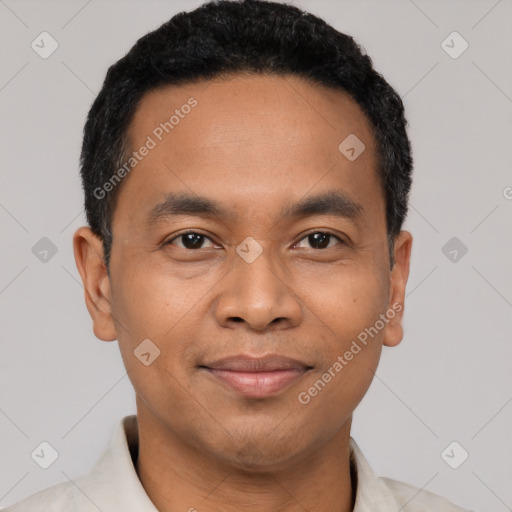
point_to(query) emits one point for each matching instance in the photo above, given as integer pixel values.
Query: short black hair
(223, 37)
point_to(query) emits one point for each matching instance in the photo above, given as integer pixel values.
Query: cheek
(350, 349)
(349, 300)
(348, 313)
(147, 305)
(151, 302)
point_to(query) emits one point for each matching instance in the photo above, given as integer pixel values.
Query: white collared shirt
(112, 485)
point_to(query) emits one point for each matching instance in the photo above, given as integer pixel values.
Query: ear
(88, 249)
(399, 274)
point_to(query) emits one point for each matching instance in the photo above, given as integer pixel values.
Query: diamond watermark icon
(44, 455)
(44, 250)
(454, 455)
(454, 249)
(146, 352)
(249, 249)
(44, 45)
(454, 45)
(351, 147)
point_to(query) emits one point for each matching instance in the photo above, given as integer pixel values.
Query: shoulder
(385, 494)
(111, 484)
(413, 499)
(58, 498)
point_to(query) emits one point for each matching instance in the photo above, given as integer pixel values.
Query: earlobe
(398, 281)
(88, 250)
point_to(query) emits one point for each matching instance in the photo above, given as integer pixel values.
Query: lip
(257, 377)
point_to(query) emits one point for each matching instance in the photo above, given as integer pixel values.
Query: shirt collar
(113, 483)
(371, 490)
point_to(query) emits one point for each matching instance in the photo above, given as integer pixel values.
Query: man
(246, 174)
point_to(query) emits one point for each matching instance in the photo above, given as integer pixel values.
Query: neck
(176, 476)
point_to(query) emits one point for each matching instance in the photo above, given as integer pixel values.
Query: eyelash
(341, 241)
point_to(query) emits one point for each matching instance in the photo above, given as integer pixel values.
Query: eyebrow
(328, 203)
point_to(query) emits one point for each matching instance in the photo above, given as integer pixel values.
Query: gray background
(449, 380)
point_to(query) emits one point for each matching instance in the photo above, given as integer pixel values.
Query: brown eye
(320, 240)
(190, 240)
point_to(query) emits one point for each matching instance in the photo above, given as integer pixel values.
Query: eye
(190, 240)
(320, 240)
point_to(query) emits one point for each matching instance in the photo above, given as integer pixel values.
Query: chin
(259, 455)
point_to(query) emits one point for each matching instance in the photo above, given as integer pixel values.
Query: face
(246, 231)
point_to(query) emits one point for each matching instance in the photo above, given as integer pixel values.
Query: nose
(258, 295)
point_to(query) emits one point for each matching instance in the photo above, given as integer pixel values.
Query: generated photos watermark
(157, 135)
(304, 397)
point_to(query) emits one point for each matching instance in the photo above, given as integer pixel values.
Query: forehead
(238, 108)
(257, 137)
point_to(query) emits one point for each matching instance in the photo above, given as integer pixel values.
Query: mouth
(257, 377)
